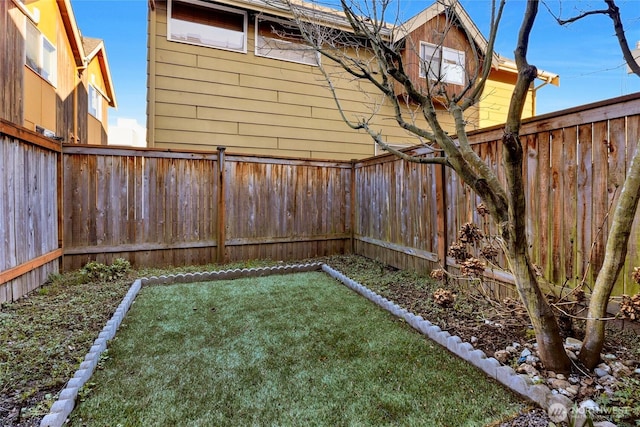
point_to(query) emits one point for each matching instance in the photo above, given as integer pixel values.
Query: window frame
(46, 63)
(444, 63)
(262, 18)
(213, 7)
(94, 94)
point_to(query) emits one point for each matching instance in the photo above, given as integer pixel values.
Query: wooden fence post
(441, 203)
(353, 206)
(221, 226)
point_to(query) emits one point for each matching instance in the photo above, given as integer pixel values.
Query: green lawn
(294, 350)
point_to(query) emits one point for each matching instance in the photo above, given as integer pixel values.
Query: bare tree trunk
(613, 262)
(550, 344)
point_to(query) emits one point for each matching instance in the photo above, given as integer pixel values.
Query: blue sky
(584, 54)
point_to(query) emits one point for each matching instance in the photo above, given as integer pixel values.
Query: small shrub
(98, 272)
(630, 307)
(444, 297)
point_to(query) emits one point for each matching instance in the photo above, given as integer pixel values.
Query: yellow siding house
(219, 74)
(57, 82)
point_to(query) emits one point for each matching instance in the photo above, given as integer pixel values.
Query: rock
(636, 371)
(473, 340)
(525, 368)
(607, 380)
(502, 356)
(515, 345)
(618, 370)
(523, 356)
(572, 390)
(511, 349)
(589, 405)
(572, 344)
(558, 384)
(609, 356)
(573, 379)
(600, 372)
(532, 360)
(604, 424)
(572, 355)
(561, 377)
(557, 398)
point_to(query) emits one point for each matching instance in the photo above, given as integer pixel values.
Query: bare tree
(370, 52)
(617, 242)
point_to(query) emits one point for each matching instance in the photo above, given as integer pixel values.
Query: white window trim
(53, 80)
(442, 65)
(35, 18)
(100, 106)
(258, 19)
(213, 7)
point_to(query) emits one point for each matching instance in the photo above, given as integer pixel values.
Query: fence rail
(72, 204)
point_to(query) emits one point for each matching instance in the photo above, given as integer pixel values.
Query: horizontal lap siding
(28, 215)
(205, 97)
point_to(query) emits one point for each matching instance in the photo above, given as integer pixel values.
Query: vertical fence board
(617, 154)
(633, 252)
(600, 196)
(570, 230)
(585, 220)
(557, 208)
(546, 215)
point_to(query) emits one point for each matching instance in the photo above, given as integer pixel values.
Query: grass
(296, 350)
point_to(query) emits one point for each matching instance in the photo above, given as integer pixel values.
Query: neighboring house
(53, 80)
(221, 74)
(128, 132)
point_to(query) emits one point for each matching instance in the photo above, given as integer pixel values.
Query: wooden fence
(575, 164)
(156, 207)
(29, 247)
(166, 208)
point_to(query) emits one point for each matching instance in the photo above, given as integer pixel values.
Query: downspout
(534, 92)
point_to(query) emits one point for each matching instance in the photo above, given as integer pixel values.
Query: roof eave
(73, 33)
(510, 66)
(101, 53)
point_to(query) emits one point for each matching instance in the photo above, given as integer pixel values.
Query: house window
(205, 24)
(95, 102)
(279, 39)
(41, 54)
(442, 63)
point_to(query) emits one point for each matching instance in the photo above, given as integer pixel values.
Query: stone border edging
(519, 383)
(61, 408)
